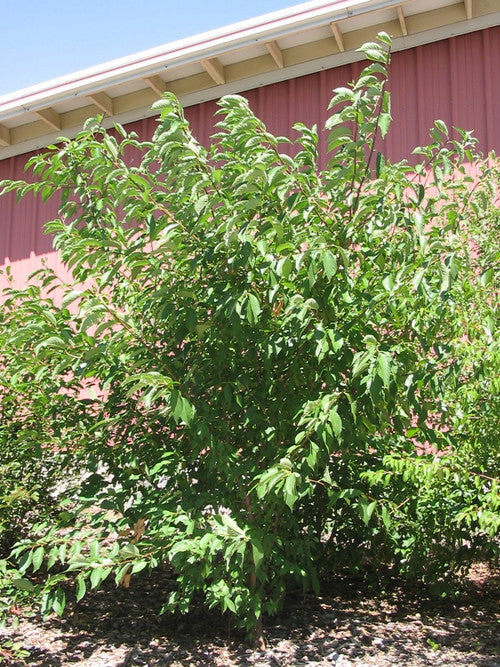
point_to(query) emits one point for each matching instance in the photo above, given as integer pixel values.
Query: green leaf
(441, 126)
(230, 604)
(385, 38)
(139, 566)
(336, 422)
(188, 412)
(384, 124)
(80, 588)
(376, 54)
(418, 277)
(290, 490)
(59, 602)
(253, 309)
(388, 283)
(257, 553)
(53, 554)
(366, 509)
(361, 362)
(342, 94)
(121, 572)
(379, 164)
(23, 585)
(329, 264)
(232, 527)
(286, 463)
(486, 277)
(55, 342)
(386, 517)
(70, 297)
(25, 561)
(384, 364)
(37, 558)
(338, 134)
(151, 223)
(128, 551)
(177, 403)
(90, 320)
(98, 575)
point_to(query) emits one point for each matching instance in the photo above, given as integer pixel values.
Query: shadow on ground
(351, 623)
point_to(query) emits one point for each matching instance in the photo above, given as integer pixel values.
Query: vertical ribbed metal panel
(22, 240)
(455, 80)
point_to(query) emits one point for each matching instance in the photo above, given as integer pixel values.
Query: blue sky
(44, 39)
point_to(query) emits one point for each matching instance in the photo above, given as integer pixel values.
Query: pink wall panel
(21, 232)
(455, 80)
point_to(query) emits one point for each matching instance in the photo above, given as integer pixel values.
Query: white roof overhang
(283, 45)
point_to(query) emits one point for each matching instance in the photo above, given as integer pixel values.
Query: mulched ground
(352, 623)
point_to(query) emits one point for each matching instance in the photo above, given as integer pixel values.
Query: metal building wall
(456, 80)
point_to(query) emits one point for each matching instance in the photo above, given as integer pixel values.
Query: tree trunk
(257, 632)
(258, 635)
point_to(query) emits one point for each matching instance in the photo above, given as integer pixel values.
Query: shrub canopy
(257, 362)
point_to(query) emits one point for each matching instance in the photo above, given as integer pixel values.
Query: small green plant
(434, 645)
(253, 354)
(12, 653)
(12, 598)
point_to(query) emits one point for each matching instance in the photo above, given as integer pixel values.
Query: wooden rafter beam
(468, 8)
(276, 53)
(50, 117)
(402, 21)
(215, 70)
(157, 84)
(338, 36)
(4, 136)
(103, 102)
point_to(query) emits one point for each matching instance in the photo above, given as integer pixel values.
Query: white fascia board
(274, 76)
(206, 45)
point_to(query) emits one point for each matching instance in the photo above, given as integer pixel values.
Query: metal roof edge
(205, 45)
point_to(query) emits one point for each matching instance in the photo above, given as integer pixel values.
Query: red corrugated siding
(455, 80)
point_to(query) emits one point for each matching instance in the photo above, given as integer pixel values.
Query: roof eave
(203, 46)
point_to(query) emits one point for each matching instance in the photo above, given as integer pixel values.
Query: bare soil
(352, 623)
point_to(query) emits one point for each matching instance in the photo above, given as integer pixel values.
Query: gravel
(352, 624)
